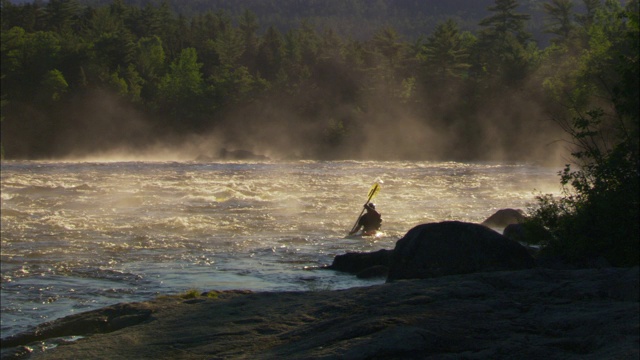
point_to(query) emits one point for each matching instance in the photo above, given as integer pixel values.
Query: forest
(357, 19)
(83, 78)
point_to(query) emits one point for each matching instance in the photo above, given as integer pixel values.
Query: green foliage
(184, 78)
(560, 13)
(196, 70)
(446, 52)
(270, 54)
(387, 42)
(335, 133)
(183, 82)
(503, 43)
(118, 84)
(55, 84)
(505, 23)
(598, 216)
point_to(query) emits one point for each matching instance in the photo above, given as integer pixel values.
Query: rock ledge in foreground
(527, 314)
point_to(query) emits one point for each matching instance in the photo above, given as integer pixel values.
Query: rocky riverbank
(525, 314)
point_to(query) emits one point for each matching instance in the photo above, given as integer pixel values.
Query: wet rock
(357, 262)
(105, 320)
(528, 314)
(453, 247)
(504, 217)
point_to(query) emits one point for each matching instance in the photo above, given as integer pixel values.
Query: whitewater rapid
(81, 235)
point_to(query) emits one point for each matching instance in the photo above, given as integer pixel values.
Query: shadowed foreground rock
(528, 314)
(454, 247)
(105, 320)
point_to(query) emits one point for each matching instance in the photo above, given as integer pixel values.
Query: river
(77, 236)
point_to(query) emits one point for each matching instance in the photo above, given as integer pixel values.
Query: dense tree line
(83, 79)
(357, 19)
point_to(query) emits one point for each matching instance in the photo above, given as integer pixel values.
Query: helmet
(371, 205)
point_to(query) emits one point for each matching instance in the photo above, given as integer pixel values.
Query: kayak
(366, 235)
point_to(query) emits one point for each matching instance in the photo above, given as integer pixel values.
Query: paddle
(372, 193)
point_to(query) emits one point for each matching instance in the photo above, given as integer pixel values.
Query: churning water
(77, 236)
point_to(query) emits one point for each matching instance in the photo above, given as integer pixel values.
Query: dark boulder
(452, 247)
(240, 155)
(368, 264)
(515, 232)
(378, 271)
(204, 158)
(504, 217)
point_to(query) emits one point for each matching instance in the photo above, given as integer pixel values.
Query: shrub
(597, 216)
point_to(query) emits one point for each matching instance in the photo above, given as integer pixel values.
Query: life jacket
(371, 221)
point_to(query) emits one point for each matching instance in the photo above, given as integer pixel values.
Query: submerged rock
(225, 154)
(453, 247)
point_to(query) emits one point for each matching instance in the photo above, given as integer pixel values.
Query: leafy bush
(597, 217)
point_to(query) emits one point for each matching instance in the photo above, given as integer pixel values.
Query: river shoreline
(529, 314)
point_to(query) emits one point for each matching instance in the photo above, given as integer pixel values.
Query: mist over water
(100, 126)
(80, 235)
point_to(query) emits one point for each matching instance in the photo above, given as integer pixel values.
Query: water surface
(78, 235)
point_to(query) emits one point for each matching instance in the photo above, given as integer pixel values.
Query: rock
(358, 262)
(515, 232)
(204, 158)
(240, 155)
(104, 320)
(225, 154)
(453, 247)
(528, 314)
(504, 217)
(373, 272)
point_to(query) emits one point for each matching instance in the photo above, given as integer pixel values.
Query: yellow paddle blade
(375, 189)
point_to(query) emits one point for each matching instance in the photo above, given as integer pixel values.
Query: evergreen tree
(560, 23)
(248, 27)
(387, 42)
(62, 15)
(445, 52)
(591, 6)
(270, 55)
(505, 23)
(503, 47)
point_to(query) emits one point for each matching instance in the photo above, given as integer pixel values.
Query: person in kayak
(369, 222)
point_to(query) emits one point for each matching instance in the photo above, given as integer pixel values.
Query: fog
(99, 125)
(513, 130)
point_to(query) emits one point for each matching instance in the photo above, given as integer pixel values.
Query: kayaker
(370, 222)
